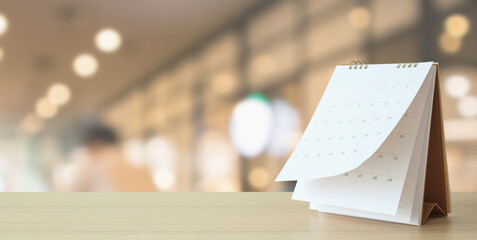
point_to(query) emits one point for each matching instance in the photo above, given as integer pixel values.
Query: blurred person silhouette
(99, 166)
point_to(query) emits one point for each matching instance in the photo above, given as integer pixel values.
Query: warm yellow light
(264, 64)
(108, 40)
(164, 179)
(3, 24)
(457, 25)
(32, 123)
(85, 65)
(224, 83)
(359, 17)
(449, 44)
(259, 177)
(2, 54)
(59, 94)
(45, 109)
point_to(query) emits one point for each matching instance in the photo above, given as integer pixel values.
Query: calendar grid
(360, 173)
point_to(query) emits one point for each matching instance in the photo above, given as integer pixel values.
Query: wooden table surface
(69, 216)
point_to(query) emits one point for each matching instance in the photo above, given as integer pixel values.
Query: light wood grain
(69, 216)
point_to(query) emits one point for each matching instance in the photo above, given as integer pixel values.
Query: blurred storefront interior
(204, 95)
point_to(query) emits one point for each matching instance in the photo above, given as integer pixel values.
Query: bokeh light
(359, 17)
(467, 106)
(259, 177)
(251, 125)
(108, 40)
(286, 129)
(45, 109)
(264, 64)
(449, 44)
(171, 102)
(224, 83)
(32, 123)
(457, 86)
(216, 155)
(59, 94)
(134, 152)
(160, 153)
(457, 25)
(3, 24)
(85, 65)
(164, 179)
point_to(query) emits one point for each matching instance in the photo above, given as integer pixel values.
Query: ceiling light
(457, 86)
(59, 94)
(108, 40)
(359, 17)
(467, 106)
(457, 25)
(3, 24)
(85, 65)
(45, 109)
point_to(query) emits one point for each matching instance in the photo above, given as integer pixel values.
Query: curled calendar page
(357, 113)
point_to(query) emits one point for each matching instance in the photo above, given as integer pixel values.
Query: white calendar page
(410, 204)
(409, 200)
(357, 113)
(377, 184)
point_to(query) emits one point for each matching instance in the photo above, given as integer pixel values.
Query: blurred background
(206, 95)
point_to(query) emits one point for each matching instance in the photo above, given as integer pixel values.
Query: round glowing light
(160, 153)
(59, 94)
(224, 83)
(359, 17)
(85, 65)
(45, 109)
(3, 24)
(108, 40)
(164, 179)
(259, 178)
(133, 151)
(32, 123)
(457, 25)
(264, 64)
(2, 54)
(217, 156)
(449, 44)
(457, 86)
(286, 129)
(467, 106)
(251, 125)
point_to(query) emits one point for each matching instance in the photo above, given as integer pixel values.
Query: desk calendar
(374, 148)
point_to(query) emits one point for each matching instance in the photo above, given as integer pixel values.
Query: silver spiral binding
(358, 65)
(407, 64)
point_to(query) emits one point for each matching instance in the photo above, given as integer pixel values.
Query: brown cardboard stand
(436, 188)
